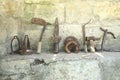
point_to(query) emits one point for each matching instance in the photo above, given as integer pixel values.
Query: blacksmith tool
(104, 37)
(44, 24)
(57, 38)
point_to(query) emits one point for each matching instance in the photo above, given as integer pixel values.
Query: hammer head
(92, 38)
(38, 21)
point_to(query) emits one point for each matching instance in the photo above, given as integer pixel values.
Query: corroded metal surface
(56, 37)
(71, 44)
(44, 24)
(18, 44)
(105, 36)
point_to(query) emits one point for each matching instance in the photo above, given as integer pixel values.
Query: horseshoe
(71, 43)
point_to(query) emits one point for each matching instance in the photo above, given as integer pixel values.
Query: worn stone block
(14, 67)
(4, 35)
(65, 70)
(11, 8)
(19, 67)
(49, 12)
(98, 66)
(42, 1)
(3, 50)
(113, 69)
(106, 10)
(78, 12)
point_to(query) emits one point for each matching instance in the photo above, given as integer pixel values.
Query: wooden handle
(39, 47)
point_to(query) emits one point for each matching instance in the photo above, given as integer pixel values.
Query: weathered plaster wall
(15, 16)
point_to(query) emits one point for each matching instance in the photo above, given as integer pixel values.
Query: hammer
(42, 22)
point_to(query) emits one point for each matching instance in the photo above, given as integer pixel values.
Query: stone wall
(15, 16)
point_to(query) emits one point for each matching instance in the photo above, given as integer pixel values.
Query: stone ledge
(62, 56)
(48, 66)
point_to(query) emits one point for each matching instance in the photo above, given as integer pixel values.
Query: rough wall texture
(99, 66)
(62, 70)
(10, 21)
(15, 16)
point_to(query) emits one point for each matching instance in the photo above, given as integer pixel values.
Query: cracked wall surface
(15, 16)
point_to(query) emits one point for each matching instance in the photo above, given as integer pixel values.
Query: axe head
(38, 21)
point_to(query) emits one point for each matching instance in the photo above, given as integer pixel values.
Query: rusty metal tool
(104, 37)
(44, 24)
(56, 37)
(26, 46)
(18, 44)
(84, 36)
(90, 43)
(71, 44)
(26, 43)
